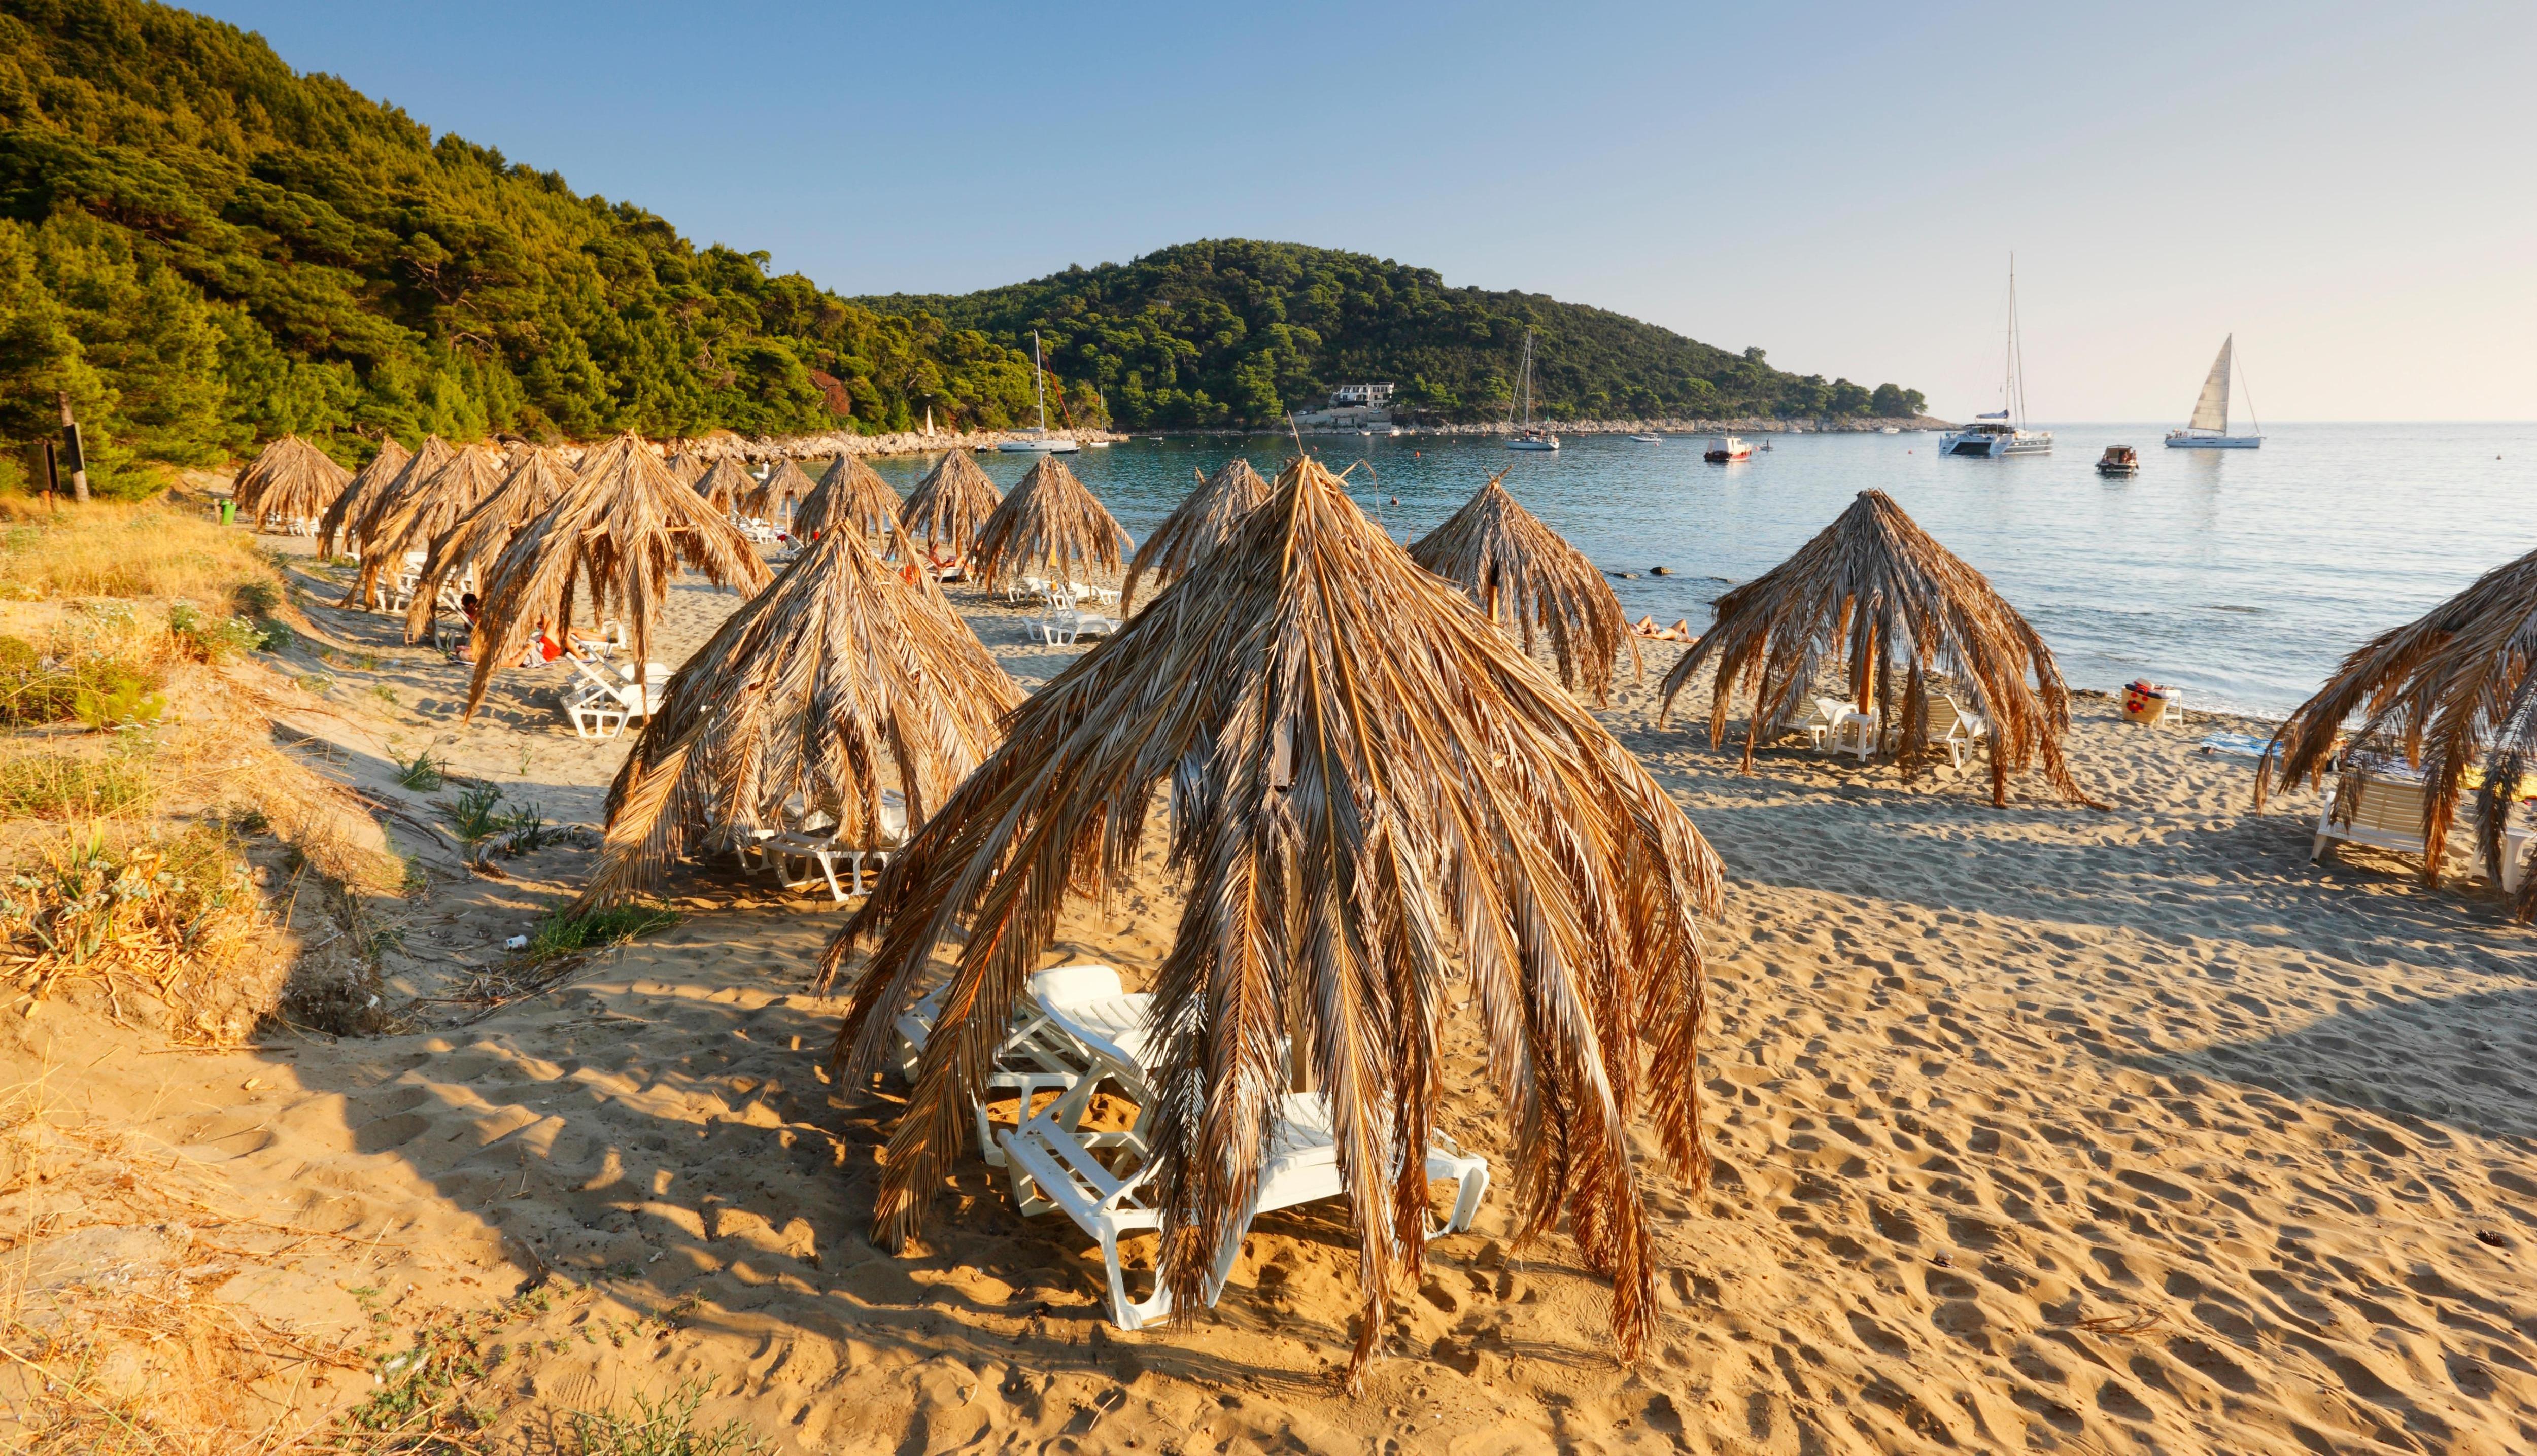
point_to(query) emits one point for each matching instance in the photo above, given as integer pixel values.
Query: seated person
(469, 608)
(541, 649)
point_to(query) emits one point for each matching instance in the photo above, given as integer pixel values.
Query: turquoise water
(2240, 575)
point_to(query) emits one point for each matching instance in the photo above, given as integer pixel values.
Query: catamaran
(1038, 441)
(1533, 437)
(2004, 432)
(2209, 429)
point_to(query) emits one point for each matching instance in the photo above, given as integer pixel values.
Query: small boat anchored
(1649, 439)
(1725, 449)
(2209, 428)
(1533, 437)
(1038, 441)
(2118, 460)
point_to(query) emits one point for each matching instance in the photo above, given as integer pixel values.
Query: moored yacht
(2003, 431)
(1038, 441)
(1533, 437)
(1726, 448)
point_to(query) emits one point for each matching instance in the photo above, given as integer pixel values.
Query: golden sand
(2037, 1128)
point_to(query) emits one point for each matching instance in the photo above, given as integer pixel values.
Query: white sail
(2211, 412)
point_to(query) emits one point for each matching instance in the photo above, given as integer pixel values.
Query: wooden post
(77, 459)
(52, 476)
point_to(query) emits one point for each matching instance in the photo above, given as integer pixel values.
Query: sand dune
(2037, 1128)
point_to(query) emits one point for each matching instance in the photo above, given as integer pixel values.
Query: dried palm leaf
(367, 484)
(620, 532)
(1371, 793)
(1196, 527)
(2442, 691)
(841, 681)
(1049, 524)
(687, 467)
(473, 541)
(724, 484)
(951, 504)
(1880, 593)
(419, 508)
(850, 493)
(784, 486)
(289, 479)
(1526, 575)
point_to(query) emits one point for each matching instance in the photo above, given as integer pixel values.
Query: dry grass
(154, 550)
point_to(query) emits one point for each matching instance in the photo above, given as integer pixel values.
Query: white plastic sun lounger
(1956, 729)
(825, 851)
(1054, 1164)
(2381, 809)
(1037, 1056)
(602, 708)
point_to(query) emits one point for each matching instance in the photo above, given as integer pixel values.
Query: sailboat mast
(1038, 392)
(2016, 354)
(1528, 381)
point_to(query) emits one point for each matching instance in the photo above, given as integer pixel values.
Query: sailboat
(1038, 441)
(1990, 436)
(1533, 437)
(2209, 429)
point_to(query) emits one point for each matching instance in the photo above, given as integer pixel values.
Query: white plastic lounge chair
(2382, 807)
(1056, 629)
(1951, 726)
(826, 850)
(1036, 1055)
(1053, 1167)
(599, 709)
(1837, 727)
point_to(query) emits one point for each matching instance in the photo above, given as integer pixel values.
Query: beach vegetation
(570, 931)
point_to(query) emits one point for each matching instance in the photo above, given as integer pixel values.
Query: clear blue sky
(2348, 187)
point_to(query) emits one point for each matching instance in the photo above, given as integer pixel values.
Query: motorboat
(1891, 429)
(1649, 439)
(2003, 431)
(2209, 428)
(2118, 460)
(1533, 437)
(1038, 441)
(1725, 449)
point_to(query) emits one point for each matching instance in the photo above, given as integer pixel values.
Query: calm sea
(2240, 575)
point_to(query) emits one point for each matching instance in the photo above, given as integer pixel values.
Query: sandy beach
(2037, 1128)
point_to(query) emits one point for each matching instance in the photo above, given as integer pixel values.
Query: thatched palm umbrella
(687, 467)
(841, 680)
(620, 532)
(362, 523)
(1877, 590)
(419, 508)
(1523, 573)
(724, 484)
(1196, 527)
(367, 484)
(2443, 691)
(951, 504)
(1051, 522)
(289, 479)
(1368, 785)
(476, 538)
(852, 493)
(784, 486)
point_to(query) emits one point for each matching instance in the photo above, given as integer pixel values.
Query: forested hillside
(206, 248)
(1236, 332)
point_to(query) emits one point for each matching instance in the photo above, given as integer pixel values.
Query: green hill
(204, 248)
(1235, 331)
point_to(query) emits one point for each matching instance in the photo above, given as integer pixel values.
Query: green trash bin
(228, 510)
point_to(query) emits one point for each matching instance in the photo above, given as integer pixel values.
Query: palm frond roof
(1196, 525)
(1526, 575)
(618, 537)
(1879, 594)
(785, 484)
(951, 504)
(1049, 523)
(366, 485)
(472, 542)
(1373, 796)
(848, 493)
(841, 681)
(289, 479)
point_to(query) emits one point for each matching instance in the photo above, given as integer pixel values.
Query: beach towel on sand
(2235, 745)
